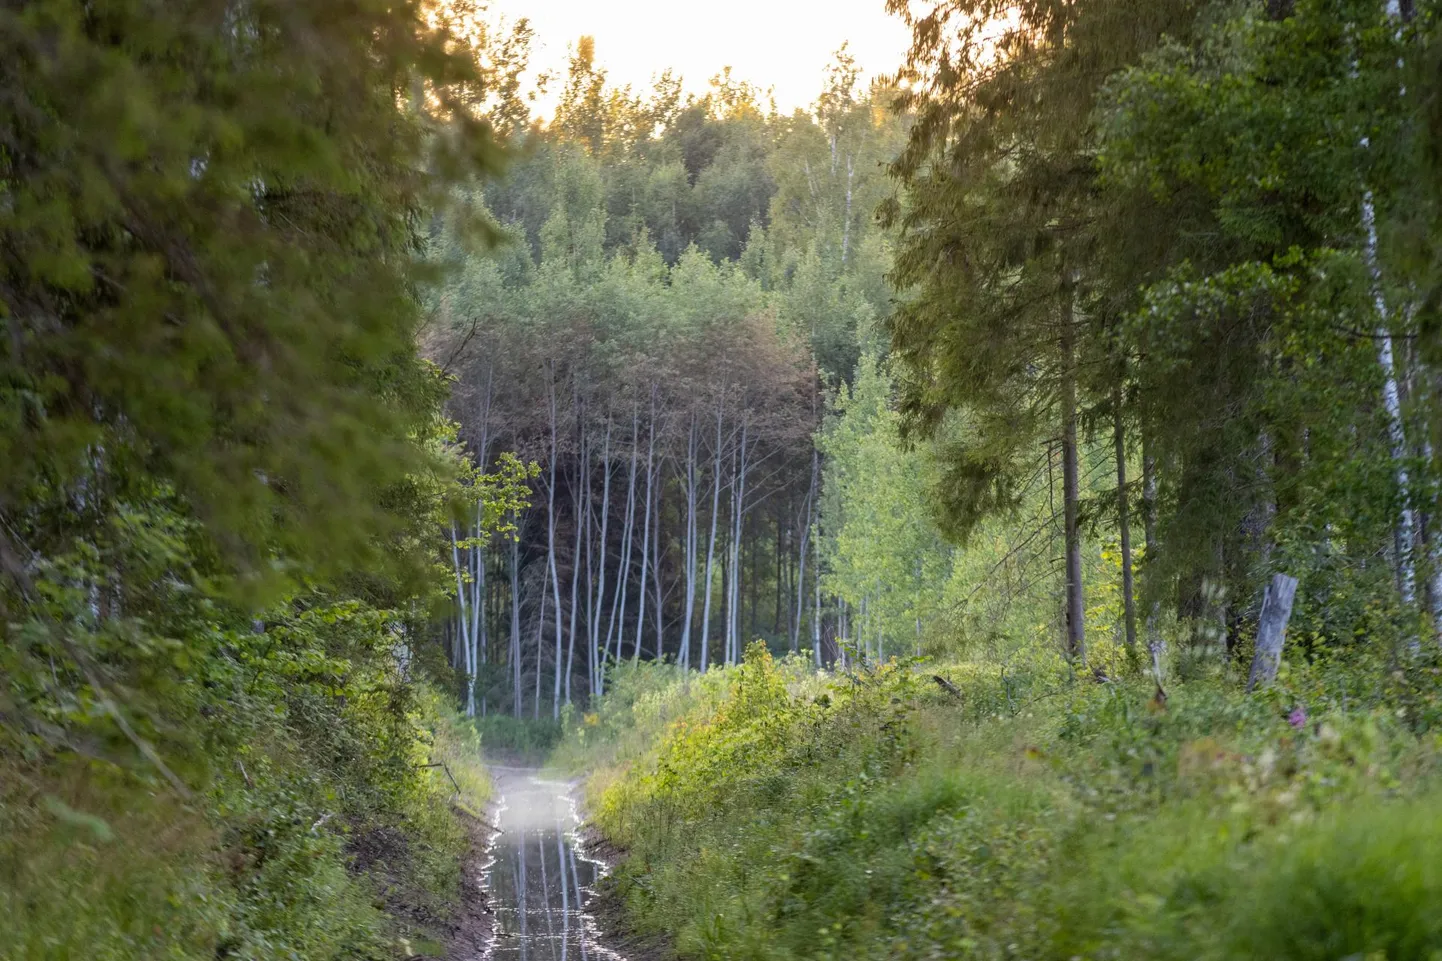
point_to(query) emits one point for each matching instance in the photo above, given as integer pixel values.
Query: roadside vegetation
(226, 478)
(768, 812)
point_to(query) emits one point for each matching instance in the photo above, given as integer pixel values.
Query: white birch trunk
(467, 650)
(815, 537)
(581, 508)
(597, 603)
(1272, 630)
(646, 527)
(516, 623)
(1392, 404)
(691, 545)
(739, 510)
(551, 567)
(478, 573)
(711, 546)
(540, 628)
(616, 623)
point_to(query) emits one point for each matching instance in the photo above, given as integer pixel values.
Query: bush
(774, 814)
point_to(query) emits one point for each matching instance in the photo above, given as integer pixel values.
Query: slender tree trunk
(656, 568)
(540, 628)
(466, 647)
(483, 645)
(516, 624)
(1129, 608)
(816, 594)
(1155, 643)
(623, 573)
(1406, 529)
(582, 491)
(478, 576)
(599, 680)
(552, 568)
(646, 527)
(1071, 488)
(1392, 404)
(711, 546)
(691, 544)
(806, 522)
(738, 510)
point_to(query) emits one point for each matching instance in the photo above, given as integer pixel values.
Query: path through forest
(539, 879)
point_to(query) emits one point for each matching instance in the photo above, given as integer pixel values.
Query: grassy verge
(294, 849)
(772, 814)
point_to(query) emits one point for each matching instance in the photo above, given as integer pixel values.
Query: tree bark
(594, 610)
(551, 566)
(711, 545)
(464, 622)
(646, 527)
(1272, 630)
(1071, 488)
(516, 623)
(691, 544)
(582, 484)
(1155, 645)
(1129, 607)
(616, 623)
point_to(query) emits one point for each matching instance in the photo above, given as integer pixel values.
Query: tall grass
(771, 814)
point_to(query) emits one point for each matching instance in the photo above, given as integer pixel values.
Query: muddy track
(531, 880)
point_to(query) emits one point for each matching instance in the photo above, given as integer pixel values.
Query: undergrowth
(770, 813)
(320, 823)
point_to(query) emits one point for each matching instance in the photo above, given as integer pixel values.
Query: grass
(267, 863)
(772, 814)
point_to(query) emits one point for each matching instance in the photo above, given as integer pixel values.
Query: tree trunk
(466, 648)
(646, 527)
(711, 546)
(1272, 630)
(739, 499)
(478, 576)
(1155, 645)
(540, 627)
(551, 566)
(595, 610)
(691, 544)
(1071, 492)
(582, 484)
(1406, 530)
(616, 623)
(656, 569)
(816, 586)
(516, 624)
(1129, 607)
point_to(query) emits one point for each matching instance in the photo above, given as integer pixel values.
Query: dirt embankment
(609, 907)
(473, 928)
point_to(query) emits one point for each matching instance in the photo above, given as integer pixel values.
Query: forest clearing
(969, 498)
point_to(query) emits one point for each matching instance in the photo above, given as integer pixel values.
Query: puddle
(539, 879)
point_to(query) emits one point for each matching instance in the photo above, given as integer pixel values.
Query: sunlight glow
(782, 44)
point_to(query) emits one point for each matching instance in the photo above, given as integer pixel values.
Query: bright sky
(785, 44)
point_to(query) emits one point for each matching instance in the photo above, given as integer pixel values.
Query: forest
(990, 511)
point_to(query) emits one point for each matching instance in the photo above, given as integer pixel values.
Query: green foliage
(776, 815)
(225, 476)
(883, 553)
(208, 222)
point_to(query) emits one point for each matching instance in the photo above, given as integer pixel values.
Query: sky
(785, 44)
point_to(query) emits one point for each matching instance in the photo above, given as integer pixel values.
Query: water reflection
(538, 881)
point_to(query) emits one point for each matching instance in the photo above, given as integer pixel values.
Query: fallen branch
(947, 686)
